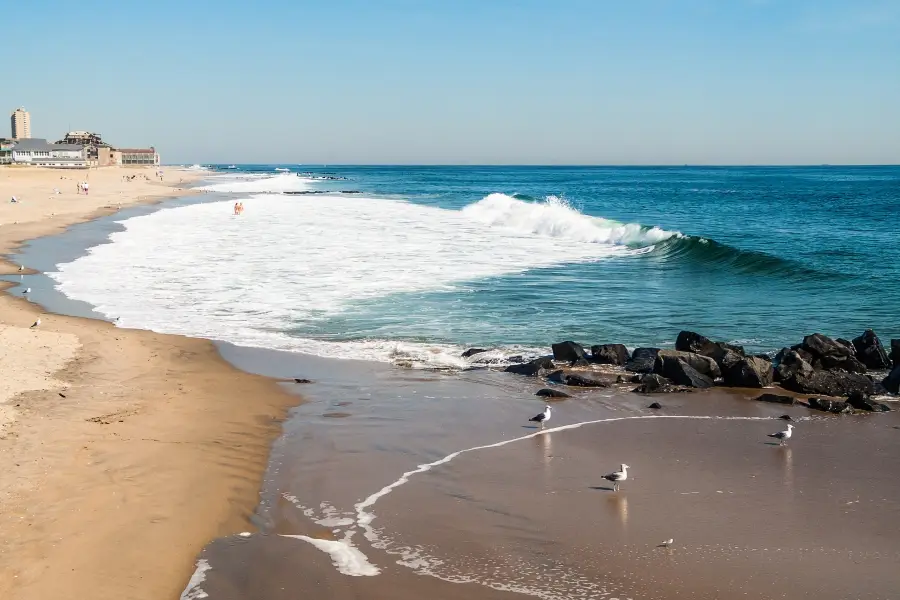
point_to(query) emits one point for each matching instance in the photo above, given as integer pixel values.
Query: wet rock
(870, 351)
(895, 353)
(832, 406)
(846, 343)
(581, 362)
(473, 352)
(568, 352)
(655, 406)
(577, 379)
(786, 418)
(535, 368)
(861, 401)
(749, 372)
(776, 399)
(891, 383)
(790, 363)
(671, 366)
(829, 354)
(302, 380)
(550, 393)
(620, 379)
(688, 341)
(653, 384)
(642, 360)
(702, 364)
(828, 383)
(609, 354)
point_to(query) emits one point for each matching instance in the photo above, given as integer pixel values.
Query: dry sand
(122, 452)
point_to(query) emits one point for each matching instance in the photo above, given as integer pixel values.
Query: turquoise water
(418, 263)
(773, 254)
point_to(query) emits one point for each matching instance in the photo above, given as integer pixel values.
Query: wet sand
(817, 518)
(123, 452)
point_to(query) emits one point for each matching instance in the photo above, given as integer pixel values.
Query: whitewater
(277, 275)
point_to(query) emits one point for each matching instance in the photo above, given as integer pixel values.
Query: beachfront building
(138, 157)
(37, 152)
(20, 124)
(96, 151)
(6, 151)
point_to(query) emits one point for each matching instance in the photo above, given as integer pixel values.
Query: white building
(39, 153)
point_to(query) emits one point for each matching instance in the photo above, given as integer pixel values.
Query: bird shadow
(772, 444)
(602, 488)
(530, 427)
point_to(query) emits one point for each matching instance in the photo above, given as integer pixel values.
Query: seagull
(27, 291)
(36, 323)
(783, 436)
(666, 543)
(21, 268)
(542, 417)
(618, 476)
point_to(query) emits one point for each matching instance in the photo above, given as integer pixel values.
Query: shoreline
(129, 450)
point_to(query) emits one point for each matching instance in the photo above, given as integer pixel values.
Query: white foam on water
(294, 261)
(346, 557)
(254, 184)
(193, 591)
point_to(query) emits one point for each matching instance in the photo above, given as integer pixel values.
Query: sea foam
(290, 263)
(255, 184)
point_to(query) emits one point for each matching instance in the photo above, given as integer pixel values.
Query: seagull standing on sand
(620, 475)
(21, 268)
(783, 436)
(542, 417)
(666, 543)
(27, 291)
(36, 323)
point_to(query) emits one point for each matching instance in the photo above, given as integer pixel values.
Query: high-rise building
(20, 123)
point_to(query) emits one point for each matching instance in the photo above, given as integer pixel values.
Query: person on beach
(237, 208)
(85, 187)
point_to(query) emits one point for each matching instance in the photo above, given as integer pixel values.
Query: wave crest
(556, 218)
(277, 184)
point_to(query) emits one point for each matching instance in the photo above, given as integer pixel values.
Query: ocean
(412, 265)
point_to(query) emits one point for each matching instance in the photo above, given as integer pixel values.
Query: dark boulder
(302, 380)
(581, 362)
(828, 383)
(748, 372)
(574, 379)
(891, 383)
(870, 352)
(861, 401)
(549, 393)
(653, 384)
(829, 354)
(776, 399)
(846, 343)
(473, 351)
(698, 362)
(895, 353)
(688, 341)
(672, 367)
(609, 354)
(790, 363)
(655, 406)
(832, 406)
(568, 352)
(535, 368)
(642, 360)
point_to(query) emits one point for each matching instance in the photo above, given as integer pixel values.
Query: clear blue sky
(466, 81)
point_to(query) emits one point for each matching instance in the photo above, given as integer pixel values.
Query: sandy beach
(123, 452)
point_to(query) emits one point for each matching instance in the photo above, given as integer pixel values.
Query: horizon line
(544, 165)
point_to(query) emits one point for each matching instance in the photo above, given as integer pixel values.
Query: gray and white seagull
(541, 417)
(783, 436)
(618, 476)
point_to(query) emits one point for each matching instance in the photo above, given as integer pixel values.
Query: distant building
(37, 152)
(138, 156)
(92, 146)
(20, 123)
